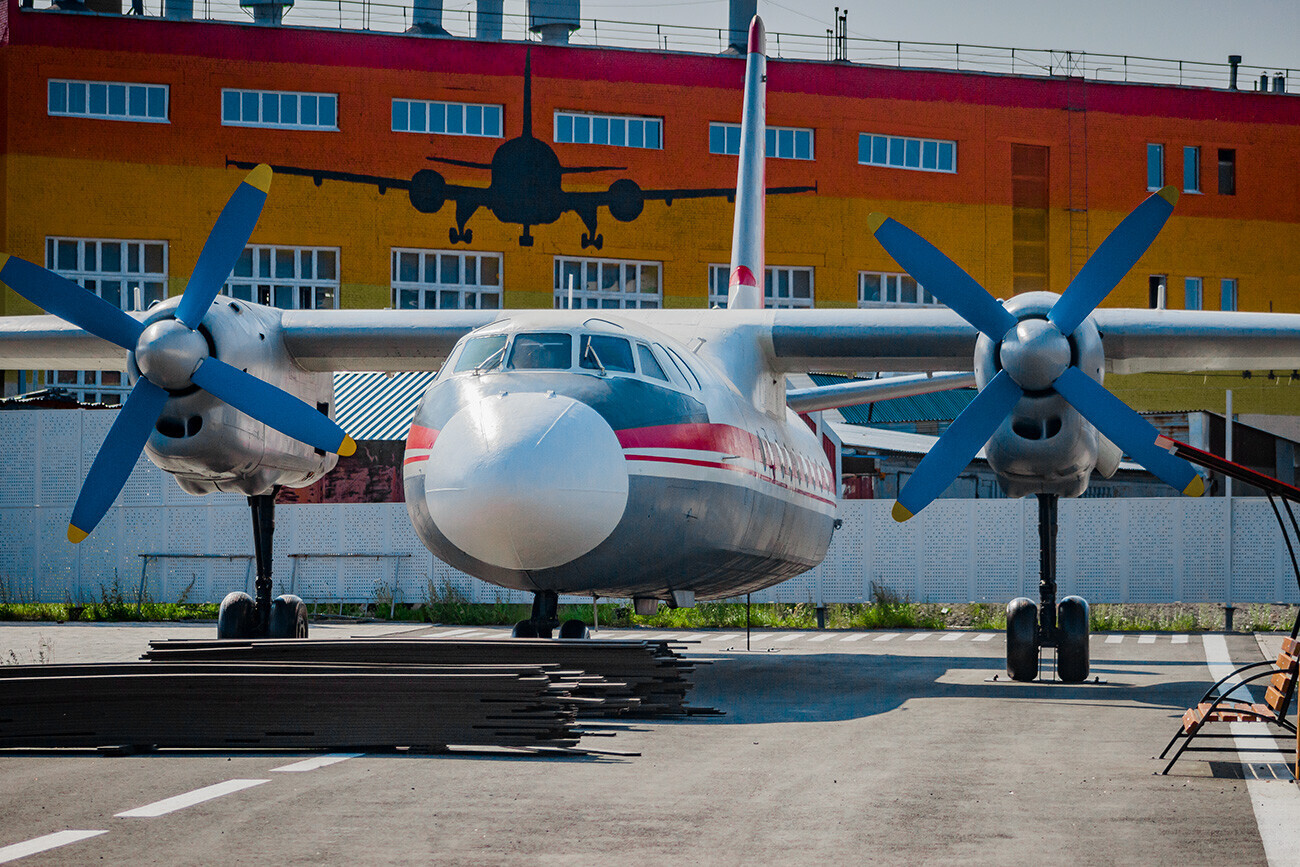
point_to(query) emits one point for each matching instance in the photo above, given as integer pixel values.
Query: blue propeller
(1036, 356)
(172, 355)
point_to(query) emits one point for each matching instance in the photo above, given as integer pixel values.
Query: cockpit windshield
(542, 351)
(606, 354)
(482, 353)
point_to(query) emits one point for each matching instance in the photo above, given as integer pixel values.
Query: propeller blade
(225, 242)
(272, 406)
(942, 277)
(1112, 260)
(116, 458)
(70, 302)
(958, 445)
(1128, 430)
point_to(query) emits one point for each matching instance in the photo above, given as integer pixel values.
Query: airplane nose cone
(526, 481)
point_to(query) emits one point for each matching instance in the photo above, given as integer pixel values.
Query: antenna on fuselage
(745, 285)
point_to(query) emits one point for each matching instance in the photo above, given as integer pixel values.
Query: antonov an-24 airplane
(651, 454)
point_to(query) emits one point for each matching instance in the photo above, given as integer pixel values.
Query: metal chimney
(1234, 60)
(553, 19)
(741, 13)
(426, 18)
(487, 24)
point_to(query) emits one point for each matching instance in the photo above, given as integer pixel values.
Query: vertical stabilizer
(745, 291)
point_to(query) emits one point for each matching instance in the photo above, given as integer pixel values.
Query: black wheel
(524, 629)
(573, 629)
(1022, 639)
(237, 617)
(288, 617)
(1072, 627)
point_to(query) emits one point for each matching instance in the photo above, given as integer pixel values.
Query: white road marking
(451, 633)
(1146, 639)
(950, 636)
(1275, 806)
(697, 636)
(888, 636)
(825, 637)
(189, 799)
(1179, 639)
(658, 636)
(791, 637)
(41, 844)
(986, 636)
(1114, 639)
(316, 762)
(727, 637)
(920, 636)
(858, 637)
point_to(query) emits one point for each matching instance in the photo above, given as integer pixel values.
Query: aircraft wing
(858, 391)
(668, 196)
(476, 196)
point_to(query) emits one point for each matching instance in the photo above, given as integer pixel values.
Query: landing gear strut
(1030, 628)
(546, 618)
(241, 616)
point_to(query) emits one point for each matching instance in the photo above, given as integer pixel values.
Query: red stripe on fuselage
(698, 436)
(421, 437)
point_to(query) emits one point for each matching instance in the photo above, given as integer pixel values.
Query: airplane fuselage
(621, 464)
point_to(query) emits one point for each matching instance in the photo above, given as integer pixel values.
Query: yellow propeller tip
(1169, 193)
(348, 447)
(1195, 487)
(901, 512)
(875, 221)
(76, 534)
(260, 177)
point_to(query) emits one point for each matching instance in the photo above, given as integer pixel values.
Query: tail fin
(748, 236)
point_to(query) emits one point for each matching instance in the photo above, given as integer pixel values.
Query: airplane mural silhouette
(526, 186)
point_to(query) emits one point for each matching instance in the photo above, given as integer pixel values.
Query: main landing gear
(241, 616)
(1030, 627)
(545, 619)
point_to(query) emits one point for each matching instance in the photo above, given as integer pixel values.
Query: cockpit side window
(481, 353)
(649, 367)
(604, 353)
(542, 351)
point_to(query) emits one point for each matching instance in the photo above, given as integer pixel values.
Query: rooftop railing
(389, 17)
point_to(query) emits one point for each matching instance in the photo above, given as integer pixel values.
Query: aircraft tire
(524, 629)
(574, 629)
(1072, 625)
(237, 617)
(288, 617)
(1022, 639)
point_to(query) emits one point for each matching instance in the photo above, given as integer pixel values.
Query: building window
(1157, 287)
(609, 129)
(782, 286)
(446, 280)
(130, 275)
(1191, 170)
(446, 118)
(899, 152)
(108, 100)
(1155, 166)
(1227, 172)
(608, 284)
(293, 278)
(1228, 293)
(881, 289)
(1192, 293)
(786, 143)
(279, 109)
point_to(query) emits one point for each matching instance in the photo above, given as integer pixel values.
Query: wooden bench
(1216, 706)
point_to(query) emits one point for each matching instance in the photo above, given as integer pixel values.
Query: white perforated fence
(199, 548)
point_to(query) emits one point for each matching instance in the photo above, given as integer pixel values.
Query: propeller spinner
(1034, 354)
(172, 355)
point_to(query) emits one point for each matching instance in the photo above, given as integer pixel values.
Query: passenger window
(649, 367)
(540, 351)
(604, 353)
(481, 353)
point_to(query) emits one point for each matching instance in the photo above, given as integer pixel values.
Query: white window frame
(250, 281)
(1191, 169)
(781, 142)
(1193, 293)
(431, 289)
(281, 99)
(66, 97)
(720, 286)
(894, 287)
(589, 292)
(483, 120)
(576, 127)
(899, 151)
(1155, 165)
(86, 270)
(1228, 293)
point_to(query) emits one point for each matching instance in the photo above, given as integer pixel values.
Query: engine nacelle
(209, 445)
(1043, 446)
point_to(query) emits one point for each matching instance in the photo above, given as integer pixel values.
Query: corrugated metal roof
(378, 406)
(936, 406)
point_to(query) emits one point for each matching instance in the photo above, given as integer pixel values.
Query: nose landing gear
(241, 616)
(545, 619)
